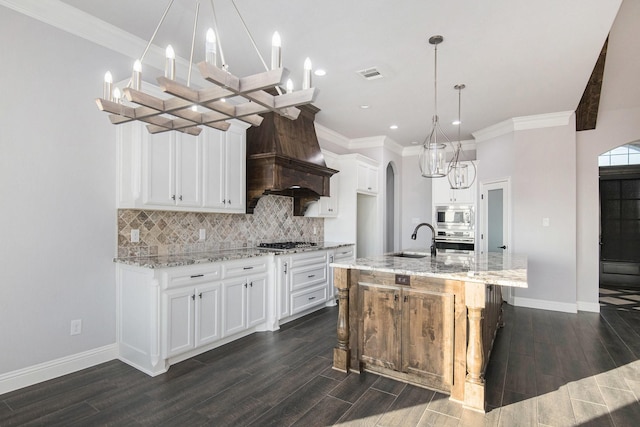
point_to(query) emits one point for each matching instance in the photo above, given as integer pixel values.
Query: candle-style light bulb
(276, 51)
(116, 95)
(170, 63)
(108, 85)
(137, 75)
(211, 50)
(306, 77)
(289, 86)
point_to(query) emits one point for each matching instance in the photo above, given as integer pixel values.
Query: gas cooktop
(281, 246)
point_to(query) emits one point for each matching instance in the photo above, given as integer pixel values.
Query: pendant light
(432, 159)
(461, 174)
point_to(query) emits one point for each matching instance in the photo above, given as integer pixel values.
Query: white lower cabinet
(245, 301)
(167, 315)
(192, 318)
(302, 283)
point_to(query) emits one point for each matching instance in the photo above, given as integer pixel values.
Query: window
(624, 155)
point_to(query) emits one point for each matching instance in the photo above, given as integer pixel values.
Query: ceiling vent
(370, 73)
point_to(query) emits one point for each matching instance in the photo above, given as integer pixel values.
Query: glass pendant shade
(433, 160)
(459, 176)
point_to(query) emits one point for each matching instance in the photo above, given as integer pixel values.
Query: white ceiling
(516, 57)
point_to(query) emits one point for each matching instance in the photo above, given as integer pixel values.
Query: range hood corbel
(284, 158)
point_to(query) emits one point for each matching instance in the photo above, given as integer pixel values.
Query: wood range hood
(284, 158)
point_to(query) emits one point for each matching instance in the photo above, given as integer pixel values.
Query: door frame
(485, 186)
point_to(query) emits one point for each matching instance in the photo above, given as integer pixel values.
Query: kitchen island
(428, 321)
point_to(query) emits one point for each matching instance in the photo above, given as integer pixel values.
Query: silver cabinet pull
(311, 298)
(285, 268)
(311, 275)
(180, 197)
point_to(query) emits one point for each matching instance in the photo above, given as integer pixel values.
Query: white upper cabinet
(443, 194)
(367, 178)
(224, 172)
(172, 164)
(175, 171)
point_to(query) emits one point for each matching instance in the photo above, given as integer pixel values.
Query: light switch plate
(545, 222)
(203, 234)
(135, 236)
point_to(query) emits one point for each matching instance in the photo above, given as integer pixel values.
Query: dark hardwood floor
(547, 369)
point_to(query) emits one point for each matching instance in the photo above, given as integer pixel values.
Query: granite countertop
(492, 268)
(177, 260)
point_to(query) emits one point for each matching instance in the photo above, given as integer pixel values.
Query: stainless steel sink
(410, 255)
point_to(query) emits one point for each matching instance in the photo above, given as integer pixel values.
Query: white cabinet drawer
(246, 267)
(343, 253)
(307, 299)
(192, 275)
(315, 257)
(304, 278)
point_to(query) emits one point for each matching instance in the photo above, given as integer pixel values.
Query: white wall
(57, 186)
(614, 128)
(541, 165)
(416, 203)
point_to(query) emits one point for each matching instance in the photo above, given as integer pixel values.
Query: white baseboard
(545, 305)
(593, 307)
(56, 368)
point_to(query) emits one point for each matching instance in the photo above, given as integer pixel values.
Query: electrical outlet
(135, 236)
(76, 327)
(203, 234)
(315, 230)
(545, 222)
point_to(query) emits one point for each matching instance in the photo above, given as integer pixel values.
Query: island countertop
(492, 268)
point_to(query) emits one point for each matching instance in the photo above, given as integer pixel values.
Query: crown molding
(414, 150)
(537, 121)
(74, 21)
(79, 23)
(323, 132)
(380, 141)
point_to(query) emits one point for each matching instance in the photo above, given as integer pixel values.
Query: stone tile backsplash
(166, 233)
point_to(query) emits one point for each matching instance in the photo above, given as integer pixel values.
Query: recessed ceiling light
(320, 72)
(365, 106)
(456, 122)
(393, 127)
(414, 142)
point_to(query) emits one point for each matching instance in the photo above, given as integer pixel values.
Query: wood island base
(431, 332)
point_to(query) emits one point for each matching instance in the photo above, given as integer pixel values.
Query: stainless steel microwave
(455, 217)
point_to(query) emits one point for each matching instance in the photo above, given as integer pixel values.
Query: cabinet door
(179, 326)
(208, 314)
(380, 326)
(188, 170)
(441, 193)
(235, 176)
(234, 294)
(427, 337)
(256, 300)
(363, 177)
(159, 167)
(214, 169)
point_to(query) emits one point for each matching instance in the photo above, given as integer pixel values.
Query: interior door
(494, 213)
(495, 219)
